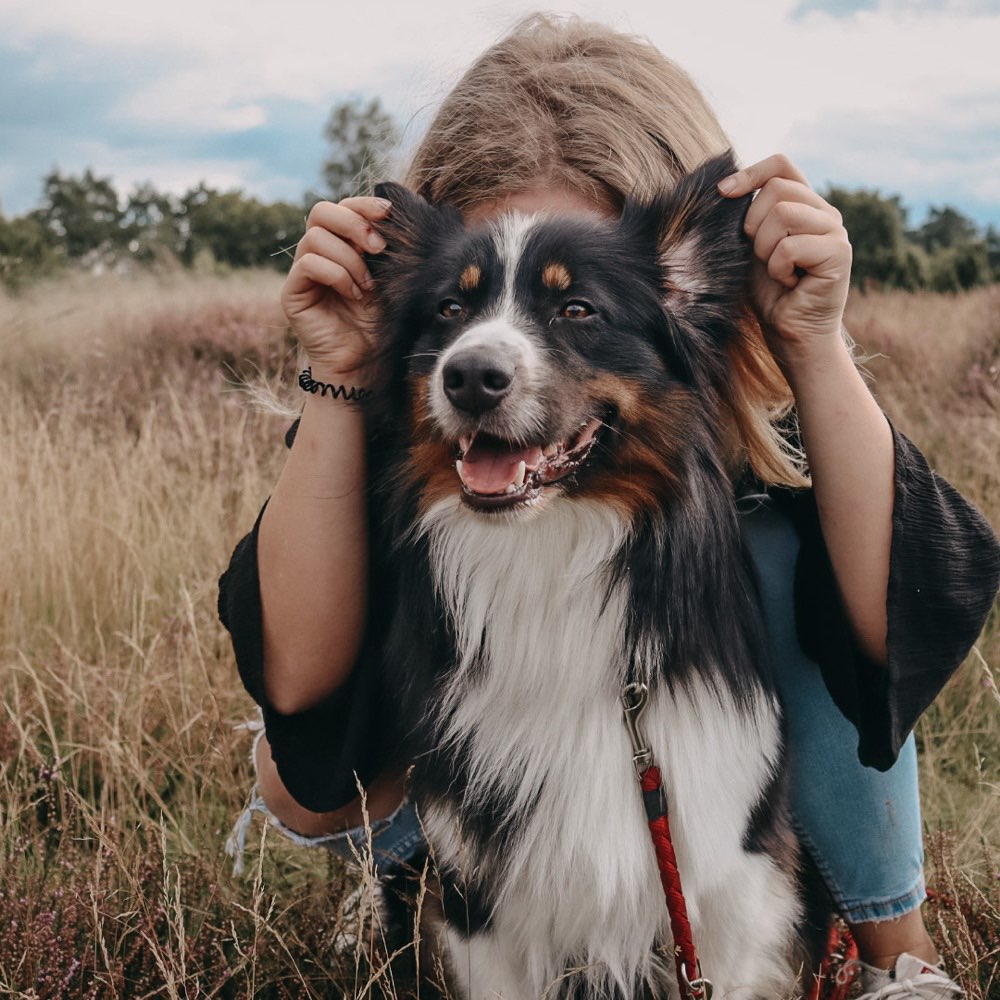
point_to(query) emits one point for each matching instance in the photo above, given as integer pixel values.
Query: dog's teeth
(510, 488)
(519, 478)
(465, 442)
(458, 468)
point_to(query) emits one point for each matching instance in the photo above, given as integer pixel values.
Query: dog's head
(548, 355)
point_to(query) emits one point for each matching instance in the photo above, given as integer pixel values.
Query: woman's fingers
(318, 240)
(793, 229)
(781, 191)
(789, 218)
(324, 294)
(350, 224)
(802, 249)
(373, 209)
(337, 233)
(821, 256)
(311, 273)
(758, 174)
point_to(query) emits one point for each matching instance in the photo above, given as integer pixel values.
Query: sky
(902, 96)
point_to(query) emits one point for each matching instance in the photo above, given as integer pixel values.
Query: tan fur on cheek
(430, 464)
(625, 396)
(644, 468)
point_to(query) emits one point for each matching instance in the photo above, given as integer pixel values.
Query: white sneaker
(912, 978)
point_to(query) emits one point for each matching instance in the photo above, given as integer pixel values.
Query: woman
(569, 116)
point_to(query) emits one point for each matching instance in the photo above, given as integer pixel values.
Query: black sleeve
(317, 752)
(944, 570)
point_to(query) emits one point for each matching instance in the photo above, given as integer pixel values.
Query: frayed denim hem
(393, 842)
(877, 910)
(855, 911)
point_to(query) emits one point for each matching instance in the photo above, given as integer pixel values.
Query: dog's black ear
(412, 231)
(703, 252)
(704, 262)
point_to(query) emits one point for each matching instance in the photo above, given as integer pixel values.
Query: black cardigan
(943, 576)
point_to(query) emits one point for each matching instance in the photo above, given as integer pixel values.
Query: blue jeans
(860, 826)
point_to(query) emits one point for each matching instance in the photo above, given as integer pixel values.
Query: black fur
(669, 280)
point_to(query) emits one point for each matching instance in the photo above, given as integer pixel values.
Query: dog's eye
(450, 309)
(577, 310)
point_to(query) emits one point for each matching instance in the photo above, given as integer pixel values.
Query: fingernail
(367, 283)
(383, 203)
(357, 293)
(375, 242)
(728, 184)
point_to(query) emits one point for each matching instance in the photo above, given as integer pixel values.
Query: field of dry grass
(130, 467)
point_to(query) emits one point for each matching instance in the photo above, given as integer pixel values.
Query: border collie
(555, 519)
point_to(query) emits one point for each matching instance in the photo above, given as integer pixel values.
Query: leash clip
(698, 988)
(634, 698)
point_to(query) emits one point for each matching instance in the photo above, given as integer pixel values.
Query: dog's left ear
(703, 253)
(413, 230)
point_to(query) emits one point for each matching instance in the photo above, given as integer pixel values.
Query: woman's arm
(850, 450)
(312, 545)
(801, 279)
(312, 551)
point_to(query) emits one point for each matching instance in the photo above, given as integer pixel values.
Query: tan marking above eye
(470, 277)
(556, 276)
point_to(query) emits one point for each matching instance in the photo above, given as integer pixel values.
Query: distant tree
(236, 229)
(960, 267)
(915, 271)
(945, 228)
(972, 265)
(27, 251)
(362, 136)
(991, 243)
(153, 224)
(876, 225)
(83, 214)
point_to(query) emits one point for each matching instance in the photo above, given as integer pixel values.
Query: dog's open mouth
(498, 474)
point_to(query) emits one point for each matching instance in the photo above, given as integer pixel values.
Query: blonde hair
(576, 104)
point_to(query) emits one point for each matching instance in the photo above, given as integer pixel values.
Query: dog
(554, 519)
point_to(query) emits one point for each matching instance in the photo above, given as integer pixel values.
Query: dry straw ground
(129, 467)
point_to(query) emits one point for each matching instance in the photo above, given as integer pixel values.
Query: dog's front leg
(479, 967)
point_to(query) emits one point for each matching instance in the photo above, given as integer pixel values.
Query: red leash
(828, 984)
(693, 985)
(838, 969)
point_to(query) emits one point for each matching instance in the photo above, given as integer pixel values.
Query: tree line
(82, 221)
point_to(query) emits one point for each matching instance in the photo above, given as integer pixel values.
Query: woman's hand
(803, 266)
(326, 294)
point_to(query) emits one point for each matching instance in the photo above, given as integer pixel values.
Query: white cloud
(196, 100)
(774, 78)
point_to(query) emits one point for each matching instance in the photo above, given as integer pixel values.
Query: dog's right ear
(413, 230)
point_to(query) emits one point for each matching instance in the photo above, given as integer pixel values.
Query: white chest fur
(541, 664)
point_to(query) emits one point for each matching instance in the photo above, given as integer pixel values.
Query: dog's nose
(477, 379)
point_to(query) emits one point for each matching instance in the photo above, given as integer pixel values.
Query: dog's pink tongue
(490, 465)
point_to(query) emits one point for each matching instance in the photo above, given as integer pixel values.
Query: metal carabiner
(634, 698)
(698, 988)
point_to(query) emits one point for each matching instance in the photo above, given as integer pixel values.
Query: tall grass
(129, 468)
